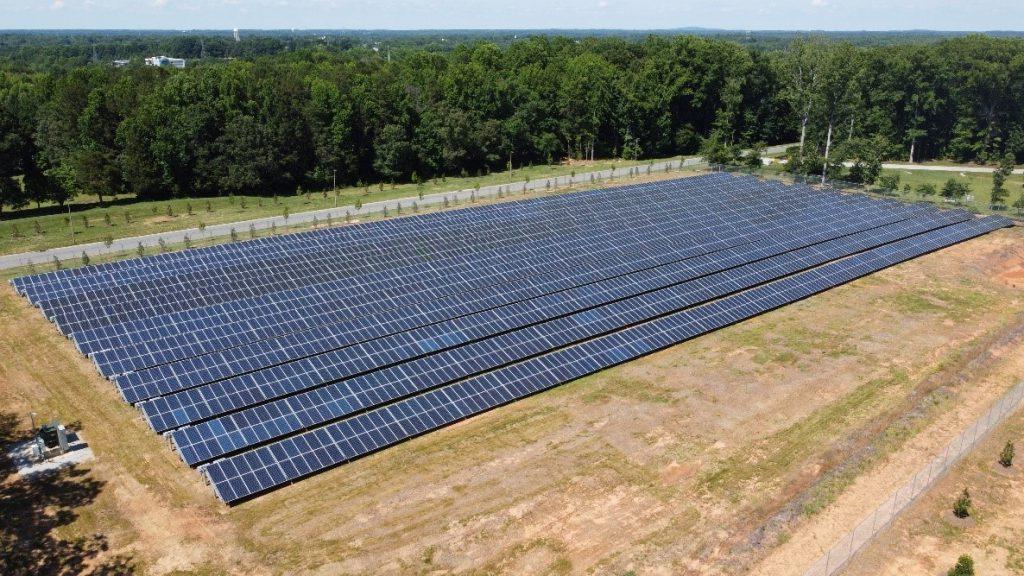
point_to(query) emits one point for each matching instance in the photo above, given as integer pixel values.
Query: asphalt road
(337, 214)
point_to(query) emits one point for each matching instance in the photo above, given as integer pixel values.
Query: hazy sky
(412, 14)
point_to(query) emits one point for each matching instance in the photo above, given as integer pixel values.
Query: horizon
(839, 16)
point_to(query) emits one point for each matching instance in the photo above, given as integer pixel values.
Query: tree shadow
(32, 509)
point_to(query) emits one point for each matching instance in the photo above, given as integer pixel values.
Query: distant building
(121, 63)
(164, 61)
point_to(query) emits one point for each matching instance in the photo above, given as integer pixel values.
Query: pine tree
(962, 506)
(1006, 456)
(964, 567)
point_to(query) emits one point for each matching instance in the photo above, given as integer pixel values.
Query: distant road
(941, 168)
(337, 214)
(931, 167)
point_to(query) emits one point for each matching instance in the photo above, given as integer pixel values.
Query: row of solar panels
(370, 238)
(471, 295)
(474, 265)
(43, 286)
(243, 426)
(148, 298)
(188, 392)
(303, 351)
(267, 467)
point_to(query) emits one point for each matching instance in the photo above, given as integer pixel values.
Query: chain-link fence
(840, 554)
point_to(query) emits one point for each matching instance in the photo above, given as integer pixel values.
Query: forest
(270, 116)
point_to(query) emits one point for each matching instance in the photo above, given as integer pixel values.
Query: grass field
(701, 458)
(980, 183)
(38, 229)
(980, 187)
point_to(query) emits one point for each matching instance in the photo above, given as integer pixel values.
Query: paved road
(930, 167)
(337, 214)
(940, 168)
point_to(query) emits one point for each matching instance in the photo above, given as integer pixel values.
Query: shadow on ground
(32, 510)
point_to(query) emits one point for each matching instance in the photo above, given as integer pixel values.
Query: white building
(165, 61)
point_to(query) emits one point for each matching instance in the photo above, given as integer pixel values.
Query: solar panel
(268, 360)
(244, 475)
(335, 335)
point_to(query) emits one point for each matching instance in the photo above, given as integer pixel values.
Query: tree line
(310, 117)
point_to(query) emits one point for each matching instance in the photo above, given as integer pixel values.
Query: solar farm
(268, 361)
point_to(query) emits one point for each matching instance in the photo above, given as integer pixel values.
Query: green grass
(47, 227)
(979, 182)
(955, 305)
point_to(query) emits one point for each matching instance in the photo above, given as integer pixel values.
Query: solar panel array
(269, 360)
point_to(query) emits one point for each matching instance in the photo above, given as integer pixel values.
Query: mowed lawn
(33, 228)
(980, 183)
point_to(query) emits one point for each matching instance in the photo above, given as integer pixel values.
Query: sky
(516, 14)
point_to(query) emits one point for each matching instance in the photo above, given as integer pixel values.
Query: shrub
(140, 250)
(927, 190)
(37, 227)
(1006, 456)
(56, 263)
(163, 244)
(962, 506)
(106, 219)
(108, 241)
(890, 182)
(964, 567)
(85, 258)
(234, 235)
